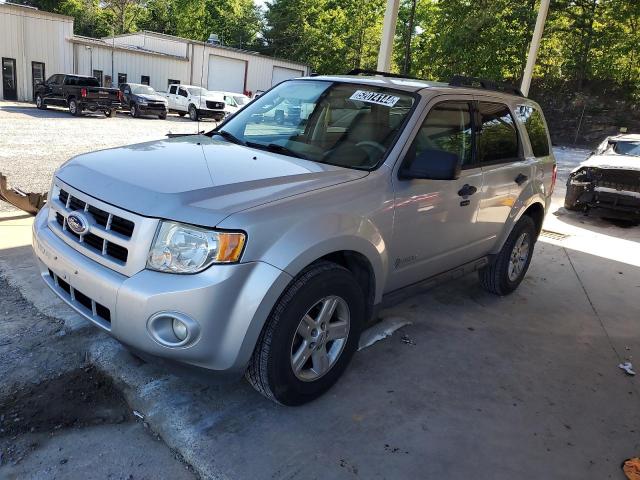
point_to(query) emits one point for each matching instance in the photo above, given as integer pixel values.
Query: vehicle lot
(525, 385)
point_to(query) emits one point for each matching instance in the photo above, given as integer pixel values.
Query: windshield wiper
(228, 136)
(276, 148)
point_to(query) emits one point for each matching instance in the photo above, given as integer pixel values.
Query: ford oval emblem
(78, 223)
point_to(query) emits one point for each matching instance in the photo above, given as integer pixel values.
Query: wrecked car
(608, 182)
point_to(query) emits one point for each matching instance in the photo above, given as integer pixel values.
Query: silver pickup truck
(262, 248)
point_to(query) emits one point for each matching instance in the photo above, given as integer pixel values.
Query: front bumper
(217, 115)
(230, 303)
(152, 109)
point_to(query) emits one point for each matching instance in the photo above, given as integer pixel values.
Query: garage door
(281, 73)
(226, 74)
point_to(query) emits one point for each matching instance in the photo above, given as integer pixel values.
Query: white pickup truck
(196, 101)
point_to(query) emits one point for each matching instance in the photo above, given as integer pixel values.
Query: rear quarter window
(533, 122)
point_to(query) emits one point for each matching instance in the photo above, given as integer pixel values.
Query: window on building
(172, 82)
(122, 78)
(97, 74)
(447, 128)
(534, 124)
(145, 80)
(497, 135)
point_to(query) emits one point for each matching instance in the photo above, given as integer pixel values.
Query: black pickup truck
(77, 93)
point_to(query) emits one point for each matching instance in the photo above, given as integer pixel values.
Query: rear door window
(533, 122)
(497, 134)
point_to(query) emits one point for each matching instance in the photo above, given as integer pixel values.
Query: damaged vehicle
(608, 182)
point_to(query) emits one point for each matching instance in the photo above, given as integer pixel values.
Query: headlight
(142, 102)
(180, 248)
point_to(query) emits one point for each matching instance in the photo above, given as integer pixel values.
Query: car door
(182, 99)
(434, 222)
(171, 97)
(505, 170)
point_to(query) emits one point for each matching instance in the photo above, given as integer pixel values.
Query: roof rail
(483, 83)
(364, 71)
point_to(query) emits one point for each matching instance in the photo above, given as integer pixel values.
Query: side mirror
(432, 165)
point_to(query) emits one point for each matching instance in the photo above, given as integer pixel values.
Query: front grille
(89, 306)
(215, 105)
(158, 105)
(104, 221)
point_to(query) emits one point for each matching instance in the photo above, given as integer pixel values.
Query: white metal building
(36, 44)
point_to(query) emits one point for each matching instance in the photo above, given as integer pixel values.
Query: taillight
(554, 177)
(83, 92)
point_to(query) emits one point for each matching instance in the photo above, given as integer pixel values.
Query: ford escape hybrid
(263, 247)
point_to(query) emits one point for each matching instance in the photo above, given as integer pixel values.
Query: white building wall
(28, 35)
(134, 64)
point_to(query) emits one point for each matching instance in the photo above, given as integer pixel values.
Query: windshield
(241, 100)
(627, 148)
(197, 91)
(143, 90)
(343, 124)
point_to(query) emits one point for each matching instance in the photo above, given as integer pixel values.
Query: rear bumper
(228, 303)
(100, 104)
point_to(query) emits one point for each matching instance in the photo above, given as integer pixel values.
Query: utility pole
(409, 36)
(388, 33)
(533, 48)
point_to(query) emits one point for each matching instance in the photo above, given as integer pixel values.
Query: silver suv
(264, 246)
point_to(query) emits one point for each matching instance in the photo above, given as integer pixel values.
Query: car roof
(408, 84)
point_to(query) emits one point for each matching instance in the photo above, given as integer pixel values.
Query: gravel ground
(36, 142)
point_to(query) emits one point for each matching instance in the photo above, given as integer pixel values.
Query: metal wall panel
(30, 35)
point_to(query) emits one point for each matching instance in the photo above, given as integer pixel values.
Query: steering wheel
(370, 144)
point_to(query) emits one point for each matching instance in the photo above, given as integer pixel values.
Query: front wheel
(309, 337)
(505, 272)
(193, 113)
(40, 103)
(133, 110)
(74, 108)
(162, 116)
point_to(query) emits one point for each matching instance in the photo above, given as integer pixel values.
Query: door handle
(467, 190)
(521, 178)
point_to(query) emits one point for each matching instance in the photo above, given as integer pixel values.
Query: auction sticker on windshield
(374, 97)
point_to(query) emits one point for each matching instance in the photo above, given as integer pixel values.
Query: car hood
(153, 98)
(195, 179)
(613, 161)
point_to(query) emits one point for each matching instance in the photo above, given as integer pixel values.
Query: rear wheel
(40, 102)
(193, 113)
(310, 336)
(75, 108)
(505, 272)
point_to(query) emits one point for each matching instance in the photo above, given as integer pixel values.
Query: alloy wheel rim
(320, 338)
(519, 257)
(192, 113)
(72, 106)
(132, 110)
(39, 101)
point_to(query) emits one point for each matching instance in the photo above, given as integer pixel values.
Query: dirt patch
(76, 399)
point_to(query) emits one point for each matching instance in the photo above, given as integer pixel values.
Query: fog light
(180, 329)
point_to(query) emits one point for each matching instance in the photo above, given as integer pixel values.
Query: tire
(162, 116)
(110, 113)
(271, 370)
(40, 105)
(75, 108)
(498, 277)
(133, 110)
(571, 197)
(193, 113)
